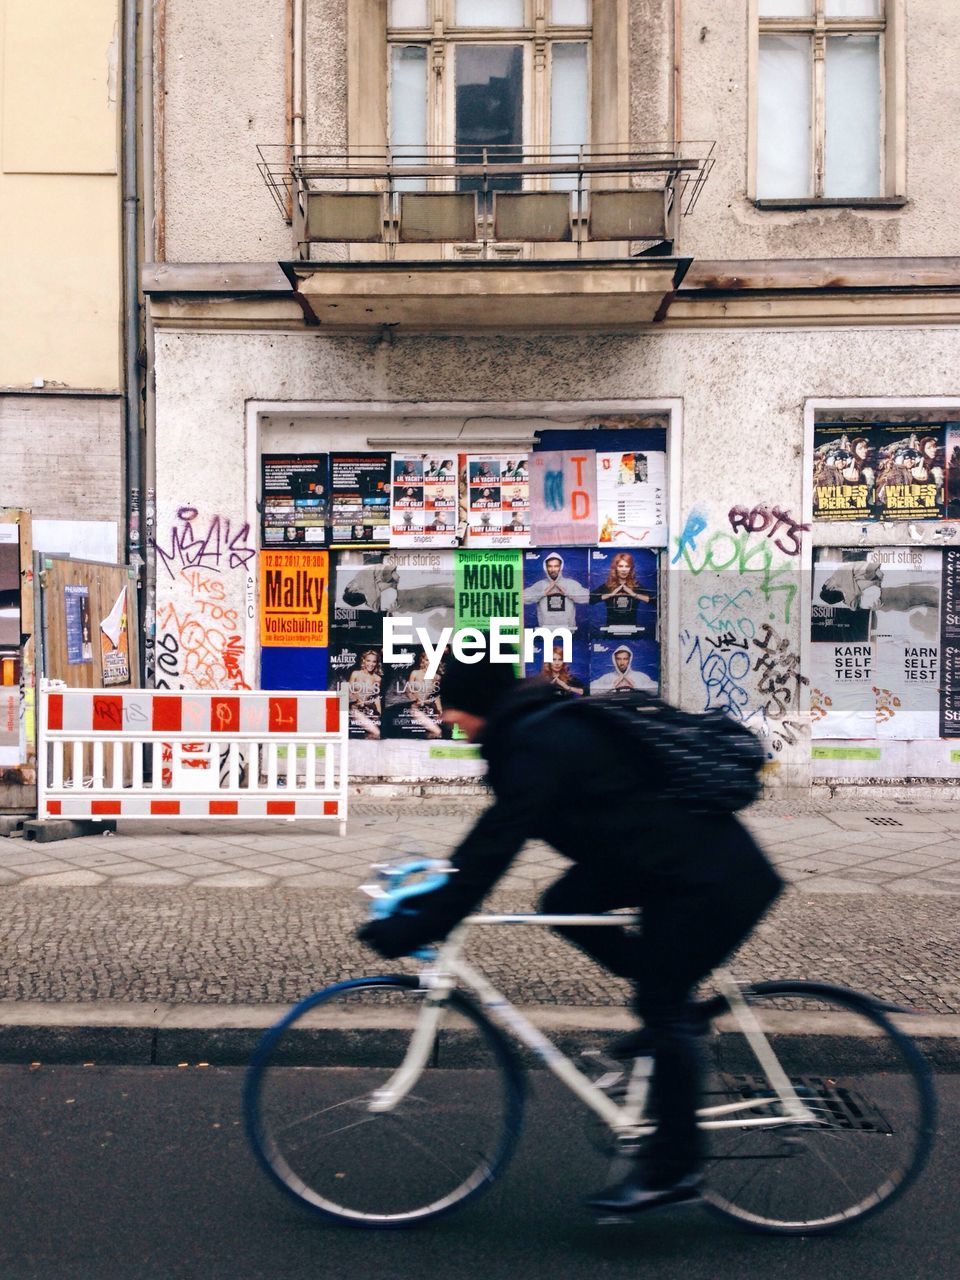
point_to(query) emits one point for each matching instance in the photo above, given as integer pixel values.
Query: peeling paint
(113, 68)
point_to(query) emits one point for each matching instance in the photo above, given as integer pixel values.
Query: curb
(119, 1034)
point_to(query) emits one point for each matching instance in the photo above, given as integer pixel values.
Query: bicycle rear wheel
(867, 1086)
(308, 1093)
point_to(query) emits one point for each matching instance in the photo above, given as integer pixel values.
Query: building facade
(715, 237)
(62, 483)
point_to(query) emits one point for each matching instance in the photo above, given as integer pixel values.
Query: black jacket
(564, 777)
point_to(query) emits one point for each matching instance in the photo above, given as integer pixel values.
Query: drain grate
(836, 1105)
(885, 822)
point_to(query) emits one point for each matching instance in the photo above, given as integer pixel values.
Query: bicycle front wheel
(312, 1115)
(871, 1105)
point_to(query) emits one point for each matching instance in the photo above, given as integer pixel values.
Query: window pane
(408, 107)
(489, 110)
(569, 126)
(786, 8)
(572, 13)
(783, 118)
(489, 13)
(854, 8)
(409, 13)
(852, 157)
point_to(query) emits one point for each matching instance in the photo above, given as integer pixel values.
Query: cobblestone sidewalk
(902, 849)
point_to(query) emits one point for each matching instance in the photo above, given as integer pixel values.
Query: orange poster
(294, 606)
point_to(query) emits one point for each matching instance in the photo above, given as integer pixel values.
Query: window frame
(368, 61)
(535, 39)
(889, 26)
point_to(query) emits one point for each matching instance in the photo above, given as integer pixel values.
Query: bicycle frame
(627, 1120)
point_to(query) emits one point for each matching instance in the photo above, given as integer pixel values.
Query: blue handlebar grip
(398, 892)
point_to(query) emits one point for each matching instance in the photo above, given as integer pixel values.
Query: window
(508, 77)
(826, 100)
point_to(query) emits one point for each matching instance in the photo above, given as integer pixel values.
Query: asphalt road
(142, 1172)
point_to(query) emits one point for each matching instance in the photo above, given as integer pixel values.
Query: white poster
(875, 656)
(632, 498)
(423, 500)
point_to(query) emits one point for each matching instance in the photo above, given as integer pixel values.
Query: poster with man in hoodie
(624, 666)
(556, 594)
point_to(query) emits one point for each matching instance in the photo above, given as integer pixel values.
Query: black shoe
(635, 1044)
(638, 1191)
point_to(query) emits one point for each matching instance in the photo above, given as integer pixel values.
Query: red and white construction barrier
(142, 753)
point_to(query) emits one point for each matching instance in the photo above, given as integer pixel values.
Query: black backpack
(706, 762)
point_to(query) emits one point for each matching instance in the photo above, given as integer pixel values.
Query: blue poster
(79, 632)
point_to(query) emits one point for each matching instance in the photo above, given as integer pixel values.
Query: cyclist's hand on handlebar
(396, 935)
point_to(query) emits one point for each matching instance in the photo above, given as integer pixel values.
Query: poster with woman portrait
(412, 708)
(572, 674)
(623, 593)
(359, 669)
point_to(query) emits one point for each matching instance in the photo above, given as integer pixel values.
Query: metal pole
(149, 630)
(131, 308)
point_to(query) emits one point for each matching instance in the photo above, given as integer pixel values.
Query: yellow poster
(294, 598)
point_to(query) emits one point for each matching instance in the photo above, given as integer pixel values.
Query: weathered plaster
(725, 224)
(743, 396)
(224, 94)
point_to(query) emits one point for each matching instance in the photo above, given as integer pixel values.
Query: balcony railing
(488, 201)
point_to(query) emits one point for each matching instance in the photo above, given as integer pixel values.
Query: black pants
(697, 907)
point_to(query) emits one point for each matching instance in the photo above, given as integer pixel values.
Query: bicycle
(820, 1110)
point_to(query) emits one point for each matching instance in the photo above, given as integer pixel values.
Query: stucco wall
(225, 94)
(743, 394)
(715, 105)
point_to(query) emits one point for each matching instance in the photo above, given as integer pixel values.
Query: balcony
(485, 240)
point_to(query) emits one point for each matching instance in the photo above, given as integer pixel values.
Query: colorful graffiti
(202, 606)
(738, 643)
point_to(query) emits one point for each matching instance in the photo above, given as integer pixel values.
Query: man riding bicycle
(700, 880)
